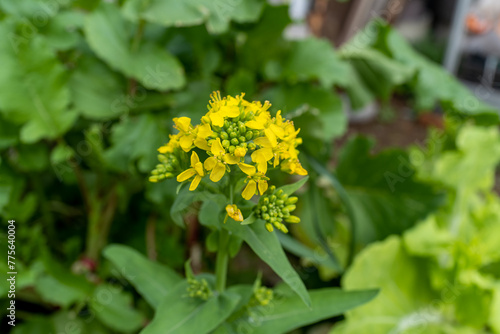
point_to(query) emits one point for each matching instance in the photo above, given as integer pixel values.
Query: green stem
(222, 261)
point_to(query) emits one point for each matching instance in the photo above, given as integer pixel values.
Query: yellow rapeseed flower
(254, 179)
(196, 170)
(233, 212)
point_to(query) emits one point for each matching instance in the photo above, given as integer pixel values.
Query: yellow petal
(249, 190)
(247, 169)
(186, 142)
(262, 186)
(217, 148)
(262, 142)
(198, 167)
(279, 132)
(271, 136)
(262, 155)
(262, 167)
(204, 131)
(195, 183)
(210, 163)
(201, 143)
(231, 159)
(254, 125)
(163, 149)
(194, 159)
(231, 111)
(188, 173)
(218, 172)
(182, 123)
(217, 119)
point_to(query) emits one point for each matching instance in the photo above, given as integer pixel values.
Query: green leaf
(403, 290)
(34, 86)
(166, 12)
(267, 246)
(288, 313)
(378, 72)
(297, 248)
(112, 307)
(151, 279)
(52, 291)
(179, 313)
(97, 92)
(315, 59)
(109, 36)
(135, 139)
(289, 189)
(61, 31)
(383, 190)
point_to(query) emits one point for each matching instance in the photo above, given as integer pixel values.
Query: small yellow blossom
(196, 170)
(233, 212)
(254, 179)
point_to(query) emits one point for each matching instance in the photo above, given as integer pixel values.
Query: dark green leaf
(151, 279)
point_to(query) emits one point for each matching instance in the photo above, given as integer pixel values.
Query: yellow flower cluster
(234, 133)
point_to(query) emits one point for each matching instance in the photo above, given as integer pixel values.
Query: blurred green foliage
(88, 91)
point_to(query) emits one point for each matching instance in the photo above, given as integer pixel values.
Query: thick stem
(222, 261)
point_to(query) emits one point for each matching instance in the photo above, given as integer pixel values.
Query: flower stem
(221, 261)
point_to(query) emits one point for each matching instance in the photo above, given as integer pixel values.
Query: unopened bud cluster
(274, 207)
(168, 167)
(234, 135)
(199, 289)
(262, 296)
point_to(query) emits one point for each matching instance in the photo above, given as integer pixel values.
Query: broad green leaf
(428, 239)
(135, 139)
(461, 168)
(383, 190)
(34, 86)
(495, 310)
(211, 211)
(288, 313)
(151, 279)
(33, 157)
(289, 189)
(97, 92)
(36, 325)
(113, 308)
(109, 36)
(9, 133)
(166, 12)
(52, 291)
(404, 291)
(378, 72)
(179, 313)
(267, 246)
(61, 32)
(223, 12)
(315, 59)
(359, 94)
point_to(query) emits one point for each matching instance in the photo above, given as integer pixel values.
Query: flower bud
(233, 134)
(225, 143)
(249, 135)
(292, 219)
(234, 141)
(242, 139)
(231, 149)
(291, 200)
(269, 227)
(224, 135)
(153, 178)
(243, 128)
(252, 146)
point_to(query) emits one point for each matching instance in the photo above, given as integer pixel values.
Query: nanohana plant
(239, 138)
(228, 160)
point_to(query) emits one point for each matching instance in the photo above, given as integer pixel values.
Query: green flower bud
(263, 208)
(224, 135)
(251, 146)
(153, 178)
(162, 158)
(242, 139)
(161, 177)
(205, 119)
(231, 149)
(244, 145)
(291, 200)
(234, 141)
(265, 200)
(290, 207)
(280, 202)
(225, 143)
(293, 219)
(233, 134)
(272, 198)
(279, 192)
(155, 172)
(266, 216)
(227, 124)
(243, 128)
(269, 227)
